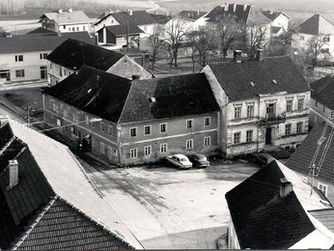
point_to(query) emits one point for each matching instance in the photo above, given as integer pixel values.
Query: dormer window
(153, 99)
(274, 81)
(252, 84)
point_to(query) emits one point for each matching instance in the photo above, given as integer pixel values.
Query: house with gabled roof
(316, 28)
(143, 121)
(23, 57)
(42, 205)
(71, 55)
(66, 21)
(264, 103)
(267, 212)
(279, 22)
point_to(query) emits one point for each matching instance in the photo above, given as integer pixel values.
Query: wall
(57, 73)
(319, 108)
(31, 65)
(110, 20)
(76, 27)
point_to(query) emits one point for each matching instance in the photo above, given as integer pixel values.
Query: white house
(279, 22)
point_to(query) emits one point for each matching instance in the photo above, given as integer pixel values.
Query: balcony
(272, 119)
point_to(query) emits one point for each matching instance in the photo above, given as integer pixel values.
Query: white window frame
(205, 118)
(301, 127)
(147, 151)
(250, 110)
(239, 113)
(135, 131)
(189, 144)
(192, 123)
(286, 126)
(323, 188)
(165, 145)
(102, 148)
(207, 141)
(58, 122)
(149, 126)
(165, 126)
(134, 153)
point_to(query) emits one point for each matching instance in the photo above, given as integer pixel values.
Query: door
(268, 136)
(43, 72)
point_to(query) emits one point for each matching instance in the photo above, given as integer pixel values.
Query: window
(301, 37)
(18, 58)
(147, 130)
(207, 141)
(73, 29)
(316, 103)
(103, 127)
(289, 106)
(58, 122)
(299, 127)
(250, 111)
(147, 150)
(133, 132)
(43, 56)
(163, 127)
(236, 138)
(207, 121)
(271, 109)
(19, 73)
(110, 130)
(237, 112)
(189, 123)
(64, 26)
(78, 28)
(60, 71)
(51, 65)
(102, 148)
(163, 147)
(323, 108)
(331, 117)
(249, 136)
(83, 28)
(189, 144)
(133, 153)
(326, 39)
(325, 50)
(300, 105)
(287, 129)
(323, 188)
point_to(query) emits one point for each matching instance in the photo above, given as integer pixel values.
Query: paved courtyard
(169, 208)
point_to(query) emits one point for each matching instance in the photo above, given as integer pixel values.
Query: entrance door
(43, 72)
(268, 136)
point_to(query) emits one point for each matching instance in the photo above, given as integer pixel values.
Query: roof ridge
(125, 103)
(34, 223)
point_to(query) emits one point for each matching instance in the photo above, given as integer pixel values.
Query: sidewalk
(23, 85)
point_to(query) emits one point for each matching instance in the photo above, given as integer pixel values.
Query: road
(168, 208)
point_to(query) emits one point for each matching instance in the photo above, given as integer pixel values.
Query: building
(23, 58)
(264, 103)
(71, 55)
(322, 100)
(191, 15)
(119, 36)
(301, 160)
(145, 21)
(142, 120)
(267, 213)
(66, 21)
(47, 200)
(279, 22)
(315, 30)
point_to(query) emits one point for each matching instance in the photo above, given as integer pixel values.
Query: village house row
(129, 117)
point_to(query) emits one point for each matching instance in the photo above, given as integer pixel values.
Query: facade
(39, 211)
(143, 121)
(316, 28)
(71, 55)
(301, 159)
(279, 22)
(267, 212)
(66, 21)
(23, 58)
(322, 100)
(262, 109)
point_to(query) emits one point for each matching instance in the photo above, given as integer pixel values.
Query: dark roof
(300, 160)
(41, 31)
(323, 91)
(316, 25)
(325, 216)
(235, 77)
(93, 91)
(5, 135)
(29, 43)
(137, 17)
(272, 15)
(120, 30)
(74, 54)
(261, 218)
(192, 15)
(62, 226)
(175, 96)
(244, 14)
(67, 17)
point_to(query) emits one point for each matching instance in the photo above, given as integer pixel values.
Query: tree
(192, 37)
(156, 43)
(315, 46)
(204, 43)
(254, 38)
(175, 33)
(228, 29)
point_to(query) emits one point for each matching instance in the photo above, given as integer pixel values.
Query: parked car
(179, 160)
(262, 158)
(199, 160)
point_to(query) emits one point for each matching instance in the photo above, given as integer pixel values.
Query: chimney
(70, 10)
(198, 13)
(13, 173)
(259, 55)
(237, 56)
(130, 12)
(285, 187)
(60, 11)
(245, 7)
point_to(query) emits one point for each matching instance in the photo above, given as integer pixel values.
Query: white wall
(74, 27)
(281, 21)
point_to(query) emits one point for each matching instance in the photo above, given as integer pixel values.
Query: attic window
(153, 99)
(89, 91)
(274, 81)
(252, 84)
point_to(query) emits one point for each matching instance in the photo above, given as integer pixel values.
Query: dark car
(199, 160)
(262, 158)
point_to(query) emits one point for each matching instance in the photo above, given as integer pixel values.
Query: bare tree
(192, 37)
(254, 38)
(175, 33)
(156, 43)
(228, 30)
(315, 46)
(205, 42)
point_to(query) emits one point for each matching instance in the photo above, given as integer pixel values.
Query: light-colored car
(179, 160)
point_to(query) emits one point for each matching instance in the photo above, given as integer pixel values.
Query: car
(179, 160)
(262, 158)
(199, 160)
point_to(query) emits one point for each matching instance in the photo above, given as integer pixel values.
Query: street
(169, 208)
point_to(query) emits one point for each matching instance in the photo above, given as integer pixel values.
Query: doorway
(268, 136)
(43, 72)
